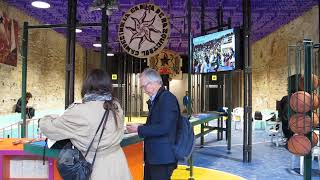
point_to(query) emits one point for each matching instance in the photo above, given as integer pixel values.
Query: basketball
(299, 145)
(315, 101)
(314, 139)
(300, 102)
(315, 81)
(315, 120)
(300, 123)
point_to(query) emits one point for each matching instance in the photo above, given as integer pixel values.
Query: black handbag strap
(104, 121)
(44, 150)
(104, 125)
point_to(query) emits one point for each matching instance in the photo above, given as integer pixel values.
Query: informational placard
(214, 77)
(31, 169)
(114, 76)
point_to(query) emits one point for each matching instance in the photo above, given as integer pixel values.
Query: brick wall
(46, 68)
(269, 59)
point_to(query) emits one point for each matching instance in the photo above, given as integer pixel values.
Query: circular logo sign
(144, 30)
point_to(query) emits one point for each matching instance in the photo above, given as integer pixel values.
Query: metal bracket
(248, 109)
(69, 67)
(316, 45)
(248, 148)
(248, 70)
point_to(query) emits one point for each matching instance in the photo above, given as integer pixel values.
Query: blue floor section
(268, 161)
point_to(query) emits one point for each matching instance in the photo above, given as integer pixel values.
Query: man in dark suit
(159, 132)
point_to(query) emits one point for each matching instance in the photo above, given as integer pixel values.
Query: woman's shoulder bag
(72, 164)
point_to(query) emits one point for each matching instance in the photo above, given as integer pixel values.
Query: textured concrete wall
(46, 68)
(269, 59)
(93, 60)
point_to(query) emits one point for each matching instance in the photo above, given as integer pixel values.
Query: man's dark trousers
(158, 172)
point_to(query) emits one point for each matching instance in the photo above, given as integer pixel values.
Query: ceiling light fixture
(110, 54)
(40, 4)
(112, 5)
(97, 45)
(78, 30)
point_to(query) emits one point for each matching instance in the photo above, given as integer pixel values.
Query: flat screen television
(215, 52)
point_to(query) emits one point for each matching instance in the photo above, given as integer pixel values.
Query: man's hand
(133, 128)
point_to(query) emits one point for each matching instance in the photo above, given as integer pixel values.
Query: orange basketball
(314, 139)
(301, 102)
(315, 119)
(300, 123)
(314, 80)
(315, 101)
(299, 145)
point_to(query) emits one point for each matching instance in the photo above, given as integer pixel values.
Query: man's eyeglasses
(145, 86)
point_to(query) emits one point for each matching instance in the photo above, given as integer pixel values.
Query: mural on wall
(8, 40)
(166, 62)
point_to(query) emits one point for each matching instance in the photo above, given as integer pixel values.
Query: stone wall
(93, 60)
(46, 68)
(269, 59)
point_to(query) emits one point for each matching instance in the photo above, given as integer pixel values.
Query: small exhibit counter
(25, 161)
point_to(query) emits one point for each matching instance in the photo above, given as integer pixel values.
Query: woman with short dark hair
(80, 121)
(29, 110)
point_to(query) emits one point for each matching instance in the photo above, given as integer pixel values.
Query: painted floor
(181, 173)
(268, 161)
